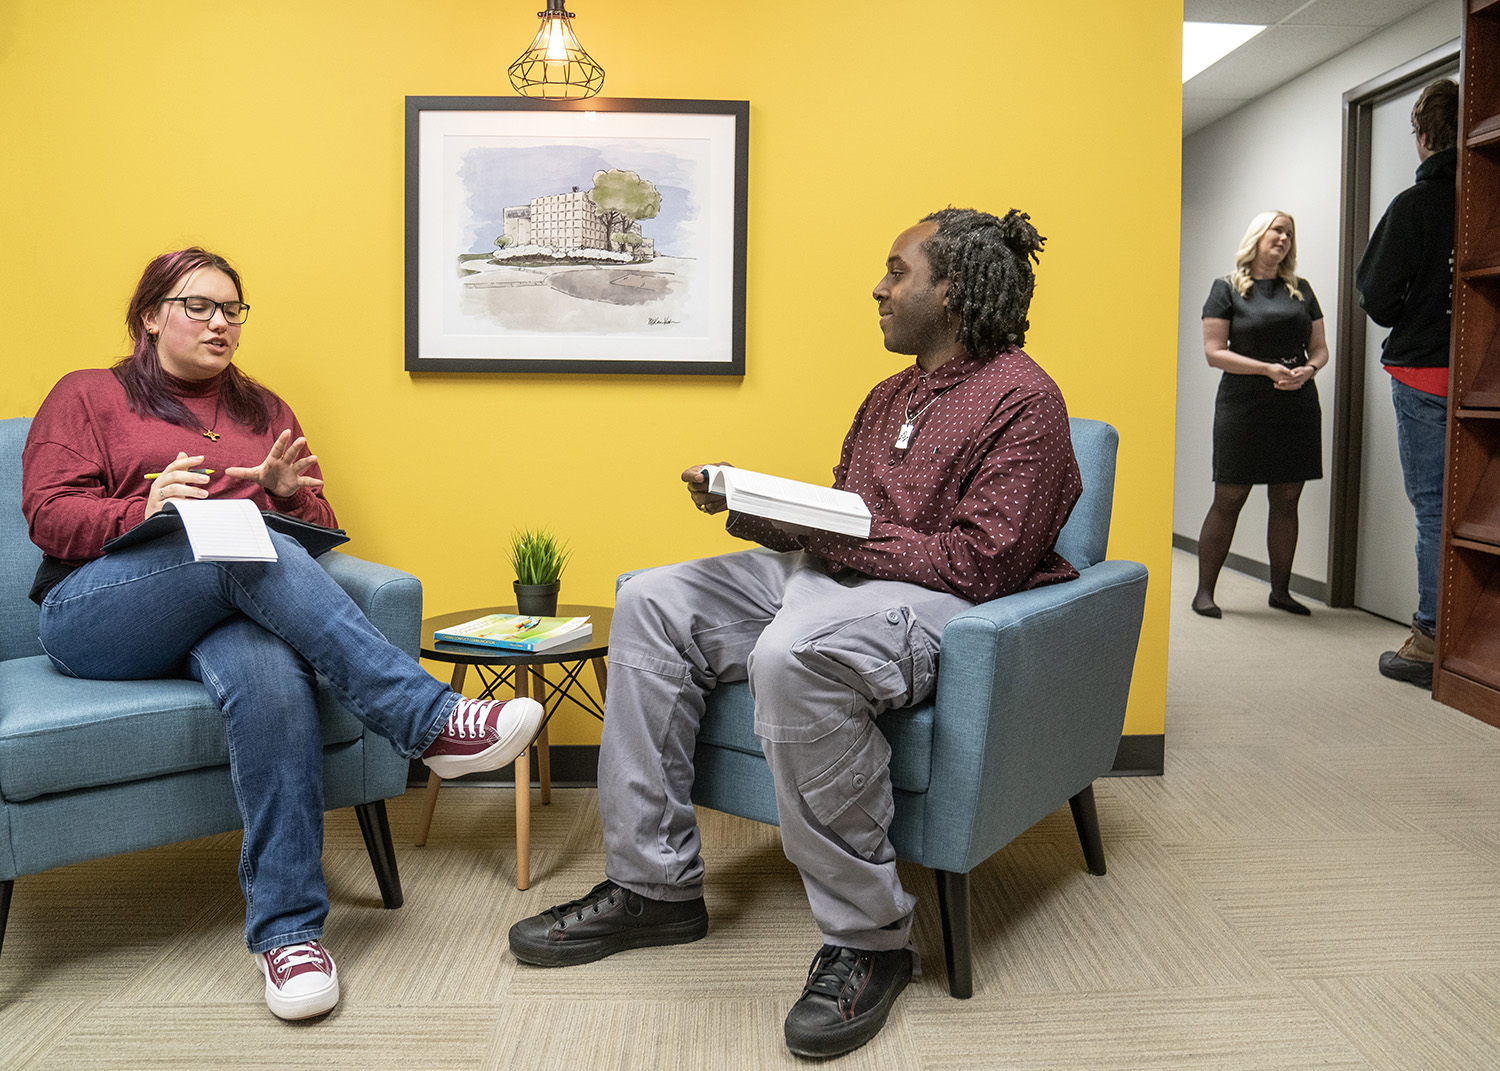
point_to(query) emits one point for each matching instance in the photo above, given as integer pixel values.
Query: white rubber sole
(302, 1005)
(525, 718)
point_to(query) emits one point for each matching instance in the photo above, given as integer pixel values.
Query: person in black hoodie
(1405, 282)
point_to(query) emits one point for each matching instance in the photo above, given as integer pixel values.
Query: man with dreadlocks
(966, 463)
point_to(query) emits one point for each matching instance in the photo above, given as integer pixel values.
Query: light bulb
(557, 39)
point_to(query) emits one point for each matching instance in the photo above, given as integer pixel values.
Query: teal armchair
(94, 768)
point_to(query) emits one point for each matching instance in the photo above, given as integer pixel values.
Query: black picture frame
(538, 306)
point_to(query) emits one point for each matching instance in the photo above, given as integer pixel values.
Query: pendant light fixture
(556, 67)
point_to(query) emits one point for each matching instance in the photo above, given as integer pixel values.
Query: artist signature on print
(656, 321)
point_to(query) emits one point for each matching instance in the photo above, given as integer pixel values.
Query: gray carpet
(1314, 883)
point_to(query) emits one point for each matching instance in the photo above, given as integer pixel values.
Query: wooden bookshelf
(1467, 671)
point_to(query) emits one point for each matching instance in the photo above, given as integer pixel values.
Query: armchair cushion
(58, 733)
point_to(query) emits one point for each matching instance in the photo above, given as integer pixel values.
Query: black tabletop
(596, 645)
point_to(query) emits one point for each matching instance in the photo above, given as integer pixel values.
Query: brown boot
(1412, 661)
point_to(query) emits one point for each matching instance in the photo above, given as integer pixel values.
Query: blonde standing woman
(1263, 328)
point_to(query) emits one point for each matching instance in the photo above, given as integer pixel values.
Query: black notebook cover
(315, 539)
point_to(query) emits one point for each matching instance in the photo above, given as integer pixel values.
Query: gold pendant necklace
(209, 433)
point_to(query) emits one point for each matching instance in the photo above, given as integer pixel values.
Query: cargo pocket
(852, 797)
(882, 656)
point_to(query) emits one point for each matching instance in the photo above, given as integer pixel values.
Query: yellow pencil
(155, 475)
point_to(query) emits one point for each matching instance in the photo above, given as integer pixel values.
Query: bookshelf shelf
(1467, 670)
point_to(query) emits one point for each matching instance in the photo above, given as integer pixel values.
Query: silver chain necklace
(909, 428)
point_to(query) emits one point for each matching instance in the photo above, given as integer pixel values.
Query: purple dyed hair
(141, 374)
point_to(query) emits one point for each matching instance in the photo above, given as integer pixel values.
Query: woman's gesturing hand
(177, 480)
(281, 473)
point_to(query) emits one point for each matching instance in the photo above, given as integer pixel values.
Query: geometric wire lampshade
(556, 67)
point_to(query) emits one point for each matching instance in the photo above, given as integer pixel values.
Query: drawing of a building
(518, 225)
(563, 221)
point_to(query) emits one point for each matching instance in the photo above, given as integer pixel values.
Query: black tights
(1218, 533)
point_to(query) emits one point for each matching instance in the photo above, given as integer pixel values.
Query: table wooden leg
(543, 745)
(544, 766)
(523, 821)
(601, 674)
(523, 796)
(434, 782)
(429, 804)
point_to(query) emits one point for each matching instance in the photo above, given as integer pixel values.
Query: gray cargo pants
(823, 657)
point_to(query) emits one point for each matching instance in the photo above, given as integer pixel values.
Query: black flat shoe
(608, 919)
(1289, 604)
(846, 1000)
(1207, 609)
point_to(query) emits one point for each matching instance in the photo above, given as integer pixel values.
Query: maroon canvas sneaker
(483, 734)
(301, 980)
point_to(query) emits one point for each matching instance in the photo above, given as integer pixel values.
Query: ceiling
(1299, 35)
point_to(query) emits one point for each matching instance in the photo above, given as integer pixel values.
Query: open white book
(779, 499)
(225, 530)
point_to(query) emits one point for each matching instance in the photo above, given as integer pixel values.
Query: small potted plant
(538, 558)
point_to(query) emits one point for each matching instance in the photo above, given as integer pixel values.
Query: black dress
(1261, 434)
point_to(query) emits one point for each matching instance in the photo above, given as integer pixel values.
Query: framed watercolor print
(602, 235)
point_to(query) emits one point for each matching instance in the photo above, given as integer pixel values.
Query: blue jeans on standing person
(1421, 437)
(256, 634)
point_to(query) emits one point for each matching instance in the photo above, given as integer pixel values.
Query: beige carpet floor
(1314, 883)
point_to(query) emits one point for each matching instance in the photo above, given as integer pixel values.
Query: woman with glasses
(176, 420)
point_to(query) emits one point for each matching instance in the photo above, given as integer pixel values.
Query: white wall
(1281, 152)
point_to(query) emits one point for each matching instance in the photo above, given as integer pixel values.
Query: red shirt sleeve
(64, 493)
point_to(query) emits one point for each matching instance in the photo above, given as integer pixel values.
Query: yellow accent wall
(273, 133)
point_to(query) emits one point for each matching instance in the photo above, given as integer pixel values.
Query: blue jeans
(256, 634)
(1421, 437)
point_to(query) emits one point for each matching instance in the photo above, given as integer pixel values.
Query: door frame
(1349, 364)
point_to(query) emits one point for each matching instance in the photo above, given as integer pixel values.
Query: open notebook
(228, 529)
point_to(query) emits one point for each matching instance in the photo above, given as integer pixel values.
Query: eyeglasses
(200, 308)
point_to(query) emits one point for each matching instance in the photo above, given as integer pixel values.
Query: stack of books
(517, 632)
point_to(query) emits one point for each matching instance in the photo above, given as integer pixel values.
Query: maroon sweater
(83, 470)
(975, 503)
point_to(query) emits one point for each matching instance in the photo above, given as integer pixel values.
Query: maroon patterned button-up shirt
(974, 504)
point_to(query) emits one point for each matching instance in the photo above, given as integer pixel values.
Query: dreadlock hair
(141, 374)
(987, 262)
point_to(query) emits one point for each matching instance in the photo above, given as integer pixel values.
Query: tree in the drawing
(628, 241)
(623, 198)
(503, 241)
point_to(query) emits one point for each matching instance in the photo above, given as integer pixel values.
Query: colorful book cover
(517, 632)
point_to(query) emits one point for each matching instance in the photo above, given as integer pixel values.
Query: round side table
(526, 673)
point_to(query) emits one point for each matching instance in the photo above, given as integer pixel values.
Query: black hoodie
(1405, 278)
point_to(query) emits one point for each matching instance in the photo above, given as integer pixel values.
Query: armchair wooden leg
(5, 890)
(376, 828)
(1086, 818)
(953, 906)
